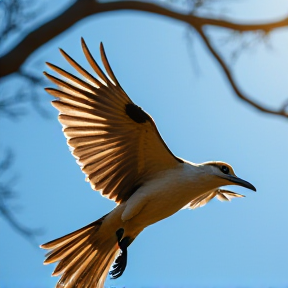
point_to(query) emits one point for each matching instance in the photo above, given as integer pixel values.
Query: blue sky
(237, 244)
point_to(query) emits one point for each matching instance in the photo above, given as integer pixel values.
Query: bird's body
(159, 198)
(165, 194)
(123, 155)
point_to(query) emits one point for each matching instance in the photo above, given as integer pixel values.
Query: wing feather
(71, 77)
(220, 194)
(106, 65)
(115, 142)
(80, 69)
(94, 64)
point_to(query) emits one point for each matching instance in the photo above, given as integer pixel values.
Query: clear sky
(237, 244)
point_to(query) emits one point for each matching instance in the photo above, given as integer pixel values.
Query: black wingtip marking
(139, 116)
(121, 261)
(136, 113)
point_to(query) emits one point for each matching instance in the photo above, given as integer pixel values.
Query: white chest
(164, 195)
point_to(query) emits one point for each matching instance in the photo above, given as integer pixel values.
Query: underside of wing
(115, 142)
(220, 194)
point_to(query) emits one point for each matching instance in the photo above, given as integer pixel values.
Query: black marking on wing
(136, 113)
(121, 261)
(139, 116)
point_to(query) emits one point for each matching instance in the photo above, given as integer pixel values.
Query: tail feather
(105, 269)
(71, 268)
(64, 250)
(84, 256)
(87, 277)
(70, 260)
(75, 280)
(97, 264)
(69, 237)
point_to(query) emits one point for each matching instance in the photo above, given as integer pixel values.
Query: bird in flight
(119, 148)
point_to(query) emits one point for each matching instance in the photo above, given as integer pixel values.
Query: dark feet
(119, 234)
(121, 261)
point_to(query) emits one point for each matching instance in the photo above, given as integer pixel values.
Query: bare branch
(6, 192)
(243, 42)
(14, 14)
(6, 162)
(11, 62)
(237, 90)
(13, 103)
(11, 106)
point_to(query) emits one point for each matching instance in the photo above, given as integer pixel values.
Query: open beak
(241, 182)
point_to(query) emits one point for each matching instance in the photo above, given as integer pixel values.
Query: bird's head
(223, 174)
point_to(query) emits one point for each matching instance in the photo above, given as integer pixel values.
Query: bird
(118, 147)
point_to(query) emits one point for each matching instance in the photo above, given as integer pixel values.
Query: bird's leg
(125, 242)
(121, 261)
(119, 234)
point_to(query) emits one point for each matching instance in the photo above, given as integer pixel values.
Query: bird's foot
(121, 261)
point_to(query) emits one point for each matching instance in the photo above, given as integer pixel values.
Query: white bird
(124, 157)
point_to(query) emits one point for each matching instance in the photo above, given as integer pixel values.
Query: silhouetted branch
(12, 103)
(244, 42)
(13, 60)
(237, 90)
(10, 11)
(80, 9)
(13, 14)
(6, 193)
(11, 106)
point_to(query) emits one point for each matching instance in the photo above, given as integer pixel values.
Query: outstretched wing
(115, 142)
(220, 194)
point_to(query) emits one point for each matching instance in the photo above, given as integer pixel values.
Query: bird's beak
(241, 182)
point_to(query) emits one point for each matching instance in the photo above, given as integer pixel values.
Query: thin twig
(12, 103)
(12, 61)
(6, 193)
(231, 80)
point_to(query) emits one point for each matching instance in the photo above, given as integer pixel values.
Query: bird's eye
(224, 169)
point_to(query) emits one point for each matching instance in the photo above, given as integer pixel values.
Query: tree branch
(231, 80)
(13, 103)
(5, 194)
(12, 61)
